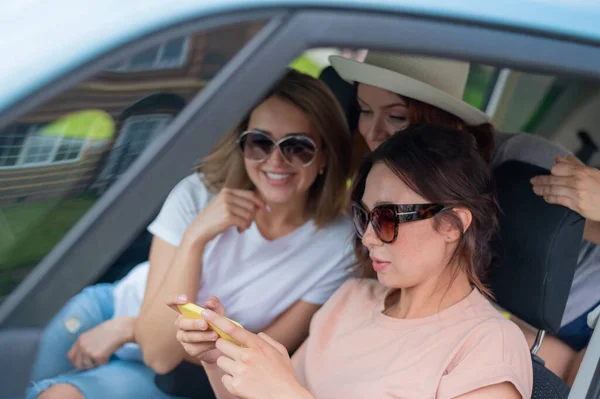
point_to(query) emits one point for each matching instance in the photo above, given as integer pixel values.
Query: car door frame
(114, 220)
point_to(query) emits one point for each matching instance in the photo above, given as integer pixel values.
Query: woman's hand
(194, 334)
(230, 208)
(573, 185)
(95, 347)
(260, 368)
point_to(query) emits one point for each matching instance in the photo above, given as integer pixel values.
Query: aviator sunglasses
(297, 150)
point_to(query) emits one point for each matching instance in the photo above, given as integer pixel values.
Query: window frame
(127, 67)
(108, 172)
(119, 215)
(165, 119)
(29, 142)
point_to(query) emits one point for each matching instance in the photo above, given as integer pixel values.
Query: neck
(429, 298)
(280, 219)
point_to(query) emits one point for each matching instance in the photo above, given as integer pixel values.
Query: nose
(375, 130)
(369, 238)
(276, 158)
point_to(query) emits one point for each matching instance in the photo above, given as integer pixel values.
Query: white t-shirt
(255, 278)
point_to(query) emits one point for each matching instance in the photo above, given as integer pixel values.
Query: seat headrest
(539, 249)
(344, 92)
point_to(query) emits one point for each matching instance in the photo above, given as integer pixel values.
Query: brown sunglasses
(385, 218)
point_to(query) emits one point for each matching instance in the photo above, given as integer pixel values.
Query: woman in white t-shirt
(259, 225)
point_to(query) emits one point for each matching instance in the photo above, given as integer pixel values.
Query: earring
(321, 171)
(447, 239)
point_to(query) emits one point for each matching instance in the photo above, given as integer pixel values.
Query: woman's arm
(504, 390)
(591, 231)
(161, 256)
(154, 330)
(260, 367)
(215, 376)
(291, 327)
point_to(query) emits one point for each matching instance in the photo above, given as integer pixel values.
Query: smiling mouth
(277, 176)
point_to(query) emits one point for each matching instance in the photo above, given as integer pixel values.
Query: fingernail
(182, 298)
(210, 303)
(268, 208)
(201, 324)
(208, 313)
(214, 336)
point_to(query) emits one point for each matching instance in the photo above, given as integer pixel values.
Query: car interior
(61, 185)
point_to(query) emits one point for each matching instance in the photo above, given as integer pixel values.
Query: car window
(59, 159)
(479, 83)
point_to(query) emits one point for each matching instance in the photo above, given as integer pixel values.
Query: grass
(478, 81)
(305, 65)
(29, 231)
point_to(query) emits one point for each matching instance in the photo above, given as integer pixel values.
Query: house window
(137, 132)
(11, 143)
(171, 54)
(37, 150)
(23, 145)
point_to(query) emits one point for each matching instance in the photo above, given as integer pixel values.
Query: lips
(277, 178)
(379, 264)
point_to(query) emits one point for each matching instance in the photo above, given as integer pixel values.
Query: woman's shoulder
(489, 326)
(491, 349)
(488, 315)
(192, 182)
(340, 229)
(193, 188)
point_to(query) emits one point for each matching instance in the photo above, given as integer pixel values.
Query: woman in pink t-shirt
(425, 213)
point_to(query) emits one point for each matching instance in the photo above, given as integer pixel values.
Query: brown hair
(445, 167)
(422, 113)
(224, 166)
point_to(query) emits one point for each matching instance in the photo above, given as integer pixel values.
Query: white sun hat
(435, 81)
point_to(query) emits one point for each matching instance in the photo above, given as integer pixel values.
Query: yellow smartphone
(193, 311)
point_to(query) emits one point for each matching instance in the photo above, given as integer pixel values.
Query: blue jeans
(116, 379)
(577, 334)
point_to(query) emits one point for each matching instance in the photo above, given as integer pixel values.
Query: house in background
(139, 95)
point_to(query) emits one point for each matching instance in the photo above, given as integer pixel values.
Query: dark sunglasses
(386, 218)
(297, 150)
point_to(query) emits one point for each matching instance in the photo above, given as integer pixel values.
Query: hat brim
(406, 86)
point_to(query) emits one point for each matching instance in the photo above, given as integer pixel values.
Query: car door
(95, 235)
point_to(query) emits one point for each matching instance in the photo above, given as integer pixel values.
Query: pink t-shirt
(355, 351)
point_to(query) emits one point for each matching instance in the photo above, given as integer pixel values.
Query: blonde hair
(224, 166)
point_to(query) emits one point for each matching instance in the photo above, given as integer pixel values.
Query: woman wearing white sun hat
(397, 90)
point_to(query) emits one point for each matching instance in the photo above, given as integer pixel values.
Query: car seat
(538, 252)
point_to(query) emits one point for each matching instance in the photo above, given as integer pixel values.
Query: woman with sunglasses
(396, 90)
(425, 211)
(259, 225)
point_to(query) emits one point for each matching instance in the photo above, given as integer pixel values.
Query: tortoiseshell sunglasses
(385, 218)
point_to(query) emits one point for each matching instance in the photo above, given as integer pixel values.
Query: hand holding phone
(193, 311)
